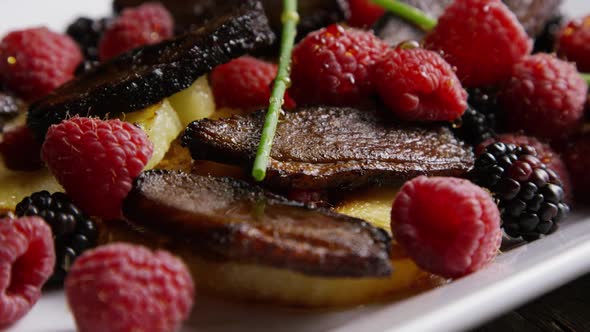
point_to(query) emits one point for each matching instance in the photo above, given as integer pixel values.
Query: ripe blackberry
(529, 195)
(73, 231)
(545, 42)
(87, 33)
(10, 106)
(480, 121)
(86, 66)
(474, 127)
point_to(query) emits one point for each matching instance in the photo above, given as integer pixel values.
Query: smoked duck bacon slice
(230, 220)
(314, 14)
(146, 75)
(533, 15)
(331, 147)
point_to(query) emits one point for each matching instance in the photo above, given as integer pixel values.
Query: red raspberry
(545, 153)
(245, 83)
(545, 96)
(27, 257)
(147, 24)
(33, 62)
(332, 66)
(482, 38)
(574, 43)
(122, 287)
(417, 84)
(577, 159)
(96, 161)
(364, 13)
(20, 150)
(449, 226)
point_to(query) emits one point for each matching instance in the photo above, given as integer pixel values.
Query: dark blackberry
(10, 107)
(473, 127)
(73, 231)
(86, 66)
(529, 195)
(87, 33)
(545, 42)
(481, 120)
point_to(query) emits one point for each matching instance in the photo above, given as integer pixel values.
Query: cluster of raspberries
(519, 181)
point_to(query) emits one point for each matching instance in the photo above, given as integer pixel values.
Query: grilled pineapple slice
(372, 205)
(195, 103)
(162, 125)
(251, 282)
(14, 186)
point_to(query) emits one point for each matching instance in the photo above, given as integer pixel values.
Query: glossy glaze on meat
(227, 219)
(314, 14)
(330, 147)
(146, 75)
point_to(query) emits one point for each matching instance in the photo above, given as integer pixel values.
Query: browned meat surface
(533, 14)
(395, 30)
(321, 148)
(314, 13)
(227, 219)
(146, 75)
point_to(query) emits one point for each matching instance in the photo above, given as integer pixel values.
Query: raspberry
(73, 232)
(20, 150)
(33, 62)
(482, 38)
(529, 194)
(544, 152)
(147, 24)
(448, 226)
(417, 84)
(577, 159)
(545, 97)
(332, 66)
(26, 261)
(574, 43)
(96, 161)
(121, 287)
(245, 83)
(363, 13)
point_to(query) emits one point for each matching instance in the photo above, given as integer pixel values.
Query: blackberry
(73, 231)
(86, 66)
(87, 33)
(474, 127)
(545, 42)
(481, 120)
(529, 195)
(10, 107)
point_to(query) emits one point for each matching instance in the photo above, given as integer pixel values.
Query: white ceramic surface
(516, 277)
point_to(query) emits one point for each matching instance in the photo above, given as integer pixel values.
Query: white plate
(515, 278)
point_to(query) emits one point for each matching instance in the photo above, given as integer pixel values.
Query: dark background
(564, 310)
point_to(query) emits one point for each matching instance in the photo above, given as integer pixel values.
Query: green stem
(290, 18)
(409, 13)
(586, 77)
